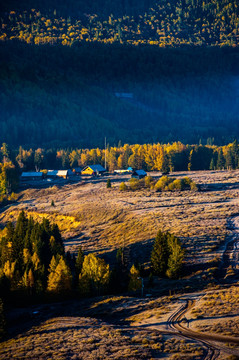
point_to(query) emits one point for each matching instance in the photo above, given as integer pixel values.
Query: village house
(54, 174)
(31, 176)
(138, 174)
(124, 171)
(93, 170)
(77, 171)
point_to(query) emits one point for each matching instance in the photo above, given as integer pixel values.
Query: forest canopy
(162, 23)
(74, 73)
(75, 96)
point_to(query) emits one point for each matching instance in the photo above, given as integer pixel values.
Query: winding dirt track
(210, 342)
(213, 343)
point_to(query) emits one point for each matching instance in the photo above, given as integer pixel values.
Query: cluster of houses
(90, 170)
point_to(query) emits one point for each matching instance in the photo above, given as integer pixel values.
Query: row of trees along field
(165, 23)
(159, 157)
(33, 262)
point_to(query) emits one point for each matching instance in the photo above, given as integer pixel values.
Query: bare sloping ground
(217, 312)
(74, 338)
(102, 220)
(78, 336)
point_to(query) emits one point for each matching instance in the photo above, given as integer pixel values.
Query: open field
(217, 312)
(101, 220)
(119, 327)
(87, 338)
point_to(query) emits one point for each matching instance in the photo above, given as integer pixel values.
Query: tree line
(157, 157)
(150, 157)
(165, 23)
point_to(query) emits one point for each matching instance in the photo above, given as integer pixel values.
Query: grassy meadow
(102, 220)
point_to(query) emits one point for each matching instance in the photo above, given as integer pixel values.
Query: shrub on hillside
(171, 184)
(123, 187)
(149, 181)
(134, 184)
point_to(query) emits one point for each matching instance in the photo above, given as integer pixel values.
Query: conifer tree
(94, 276)
(108, 184)
(159, 255)
(79, 261)
(229, 160)
(220, 160)
(167, 255)
(212, 164)
(235, 153)
(165, 164)
(59, 279)
(176, 255)
(134, 279)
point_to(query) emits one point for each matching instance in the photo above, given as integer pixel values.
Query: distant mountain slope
(162, 23)
(56, 96)
(77, 7)
(63, 63)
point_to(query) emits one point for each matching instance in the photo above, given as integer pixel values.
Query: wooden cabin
(31, 176)
(54, 174)
(77, 171)
(93, 170)
(138, 174)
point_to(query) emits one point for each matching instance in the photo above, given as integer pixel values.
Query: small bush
(123, 187)
(108, 184)
(176, 185)
(171, 184)
(134, 184)
(162, 183)
(13, 197)
(148, 181)
(193, 186)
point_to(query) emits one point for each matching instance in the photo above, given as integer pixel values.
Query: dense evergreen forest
(58, 96)
(163, 23)
(72, 74)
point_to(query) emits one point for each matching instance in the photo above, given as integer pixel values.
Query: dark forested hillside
(79, 7)
(162, 23)
(75, 96)
(146, 71)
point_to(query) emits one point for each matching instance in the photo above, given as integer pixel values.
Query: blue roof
(96, 168)
(141, 172)
(32, 174)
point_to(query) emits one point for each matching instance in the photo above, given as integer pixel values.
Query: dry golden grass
(224, 327)
(218, 303)
(217, 312)
(73, 338)
(65, 223)
(87, 338)
(102, 220)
